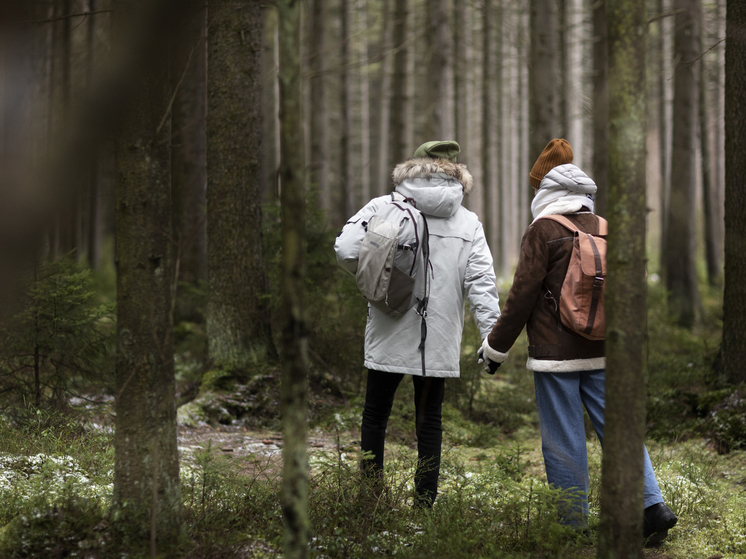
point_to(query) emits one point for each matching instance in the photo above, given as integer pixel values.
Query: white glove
(487, 352)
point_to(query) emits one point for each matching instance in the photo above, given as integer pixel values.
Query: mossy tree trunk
(679, 259)
(621, 483)
(734, 297)
(238, 325)
(294, 392)
(188, 159)
(147, 496)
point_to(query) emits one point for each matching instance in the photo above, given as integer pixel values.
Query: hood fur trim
(426, 167)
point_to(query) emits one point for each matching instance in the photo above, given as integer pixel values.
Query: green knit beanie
(447, 149)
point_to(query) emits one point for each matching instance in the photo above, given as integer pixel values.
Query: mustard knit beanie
(557, 152)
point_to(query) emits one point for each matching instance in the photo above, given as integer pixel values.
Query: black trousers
(379, 398)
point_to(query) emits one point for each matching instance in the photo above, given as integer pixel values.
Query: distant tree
(147, 494)
(487, 123)
(318, 165)
(437, 121)
(188, 154)
(238, 326)
(620, 535)
(710, 190)
(346, 186)
(461, 59)
(680, 255)
(734, 296)
(600, 107)
(294, 393)
(399, 106)
(543, 76)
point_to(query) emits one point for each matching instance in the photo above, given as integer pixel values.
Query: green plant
(59, 344)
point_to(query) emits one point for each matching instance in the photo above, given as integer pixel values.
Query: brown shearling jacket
(533, 301)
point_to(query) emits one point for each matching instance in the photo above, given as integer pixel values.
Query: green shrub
(59, 345)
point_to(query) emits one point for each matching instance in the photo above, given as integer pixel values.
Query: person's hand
(489, 366)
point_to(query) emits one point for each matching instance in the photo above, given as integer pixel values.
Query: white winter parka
(461, 266)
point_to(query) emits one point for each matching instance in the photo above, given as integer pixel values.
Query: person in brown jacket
(569, 370)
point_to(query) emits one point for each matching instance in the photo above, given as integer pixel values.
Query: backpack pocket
(376, 261)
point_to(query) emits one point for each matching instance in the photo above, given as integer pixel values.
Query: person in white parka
(461, 267)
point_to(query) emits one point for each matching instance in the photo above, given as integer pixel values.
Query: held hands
(489, 366)
(489, 357)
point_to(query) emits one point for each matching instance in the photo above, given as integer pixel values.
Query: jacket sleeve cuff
(492, 354)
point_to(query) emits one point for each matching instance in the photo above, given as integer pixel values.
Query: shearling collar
(426, 167)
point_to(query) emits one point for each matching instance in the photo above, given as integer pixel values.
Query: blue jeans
(560, 398)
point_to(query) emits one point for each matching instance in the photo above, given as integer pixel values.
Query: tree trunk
(543, 79)
(709, 188)
(380, 131)
(734, 296)
(664, 125)
(461, 64)
(438, 56)
(318, 166)
(620, 534)
(294, 341)
(238, 326)
(146, 465)
(600, 107)
(188, 158)
(679, 259)
(364, 59)
(399, 105)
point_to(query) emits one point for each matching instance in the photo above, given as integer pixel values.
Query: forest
(182, 358)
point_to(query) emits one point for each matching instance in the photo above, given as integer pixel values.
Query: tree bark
(680, 256)
(600, 107)
(734, 296)
(294, 331)
(399, 105)
(188, 157)
(146, 465)
(238, 326)
(620, 534)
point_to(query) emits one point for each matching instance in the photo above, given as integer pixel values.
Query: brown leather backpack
(581, 303)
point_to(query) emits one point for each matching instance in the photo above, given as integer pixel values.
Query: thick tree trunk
(664, 124)
(543, 76)
(294, 342)
(238, 326)
(620, 535)
(734, 297)
(600, 107)
(381, 91)
(188, 156)
(146, 465)
(399, 105)
(679, 259)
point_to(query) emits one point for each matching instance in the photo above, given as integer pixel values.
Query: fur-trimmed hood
(426, 168)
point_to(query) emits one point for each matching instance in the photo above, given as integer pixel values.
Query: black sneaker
(658, 520)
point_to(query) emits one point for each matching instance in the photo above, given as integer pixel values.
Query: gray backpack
(392, 269)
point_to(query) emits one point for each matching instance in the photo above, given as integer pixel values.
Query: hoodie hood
(436, 185)
(568, 177)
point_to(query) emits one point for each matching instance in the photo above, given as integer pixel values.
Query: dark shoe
(658, 520)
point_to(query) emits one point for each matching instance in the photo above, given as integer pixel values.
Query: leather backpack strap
(603, 225)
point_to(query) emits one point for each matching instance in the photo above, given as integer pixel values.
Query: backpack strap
(603, 225)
